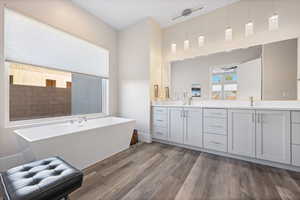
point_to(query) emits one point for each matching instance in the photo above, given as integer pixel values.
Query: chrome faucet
(82, 119)
(251, 101)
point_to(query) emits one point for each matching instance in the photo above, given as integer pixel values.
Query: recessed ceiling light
(249, 29)
(201, 40)
(274, 22)
(173, 48)
(228, 34)
(186, 45)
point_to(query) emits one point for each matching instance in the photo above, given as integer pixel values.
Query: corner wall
(139, 56)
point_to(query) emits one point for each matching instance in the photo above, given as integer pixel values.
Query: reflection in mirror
(222, 76)
(263, 72)
(37, 92)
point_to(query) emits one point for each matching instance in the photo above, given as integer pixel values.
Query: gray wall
(197, 70)
(86, 94)
(280, 70)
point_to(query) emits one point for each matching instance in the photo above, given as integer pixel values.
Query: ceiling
(122, 13)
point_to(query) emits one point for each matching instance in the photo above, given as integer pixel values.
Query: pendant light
(274, 19)
(249, 26)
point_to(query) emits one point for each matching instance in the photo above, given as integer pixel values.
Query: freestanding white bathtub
(82, 145)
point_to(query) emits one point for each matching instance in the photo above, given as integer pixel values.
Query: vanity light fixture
(249, 29)
(201, 40)
(274, 22)
(173, 48)
(228, 34)
(186, 45)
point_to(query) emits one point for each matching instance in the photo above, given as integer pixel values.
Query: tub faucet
(82, 119)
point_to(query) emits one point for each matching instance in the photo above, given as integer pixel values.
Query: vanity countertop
(259, 107)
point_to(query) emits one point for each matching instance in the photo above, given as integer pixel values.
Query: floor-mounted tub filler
(82, 145)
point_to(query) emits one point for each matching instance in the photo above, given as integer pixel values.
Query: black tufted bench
(48, 179)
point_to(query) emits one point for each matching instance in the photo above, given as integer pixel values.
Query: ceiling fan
(187, 12)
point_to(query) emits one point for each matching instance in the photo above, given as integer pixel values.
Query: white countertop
(272, 105)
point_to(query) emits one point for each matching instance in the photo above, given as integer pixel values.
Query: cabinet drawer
(215, 125)
(296, 155)
(296, 134)
(160, 120)
(219, 113)
(159, 111)
(215, 142)
(160, 133)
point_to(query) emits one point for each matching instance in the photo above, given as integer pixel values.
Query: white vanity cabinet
(215, 129)
(273, 136)
(296, 138)
(241, 132)
(176, 125)
(193, 127)
(185, 126)
(160, 123)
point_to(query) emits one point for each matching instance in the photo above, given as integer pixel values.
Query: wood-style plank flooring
(163, 172)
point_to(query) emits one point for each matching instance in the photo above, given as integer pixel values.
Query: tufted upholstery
(48, 179)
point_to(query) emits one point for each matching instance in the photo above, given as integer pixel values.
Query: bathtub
(80, 144)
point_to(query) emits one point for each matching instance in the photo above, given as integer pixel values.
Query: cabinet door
(241, 132)
(193, 127)
(176, 125)
(273, 139)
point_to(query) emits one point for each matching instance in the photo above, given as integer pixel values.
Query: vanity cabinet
(185, 126)
(193, 127)
(215, 129)
(296, 138)
(269, 135)
(176, 125)
(273, 136)
(160, 123)
(241, 132)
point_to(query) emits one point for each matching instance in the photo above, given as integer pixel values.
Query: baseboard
(252, 160)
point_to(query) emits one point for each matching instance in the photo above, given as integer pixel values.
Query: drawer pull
(213, 142)
(217, 126)
(159, 120)
(159, 133)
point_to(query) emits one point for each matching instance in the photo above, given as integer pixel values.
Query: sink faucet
(251, 101)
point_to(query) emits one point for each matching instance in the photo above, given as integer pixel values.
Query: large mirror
(264, 72)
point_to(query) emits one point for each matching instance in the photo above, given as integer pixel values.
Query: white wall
(68, 17)
(213, 25)
(139, 53)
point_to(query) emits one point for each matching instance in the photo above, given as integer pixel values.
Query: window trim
(49, 120)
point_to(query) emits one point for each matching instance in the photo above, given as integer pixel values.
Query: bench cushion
(46, 179)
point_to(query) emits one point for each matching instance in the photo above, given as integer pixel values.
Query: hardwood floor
(163, 172)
